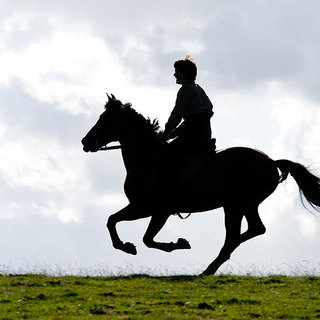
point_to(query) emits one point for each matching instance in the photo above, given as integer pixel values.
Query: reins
(105, 148)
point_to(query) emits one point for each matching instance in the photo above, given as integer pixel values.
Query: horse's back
(235, 176)
(241, 158)
(242, 153)
(247, 171)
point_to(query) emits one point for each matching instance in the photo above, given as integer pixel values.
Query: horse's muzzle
(89, 147)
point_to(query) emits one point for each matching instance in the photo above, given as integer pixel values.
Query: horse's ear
(126, 106)
(112, 96)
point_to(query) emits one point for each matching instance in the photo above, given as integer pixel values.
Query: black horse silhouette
(237, 179)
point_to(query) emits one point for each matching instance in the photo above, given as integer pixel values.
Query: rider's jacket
(192, 101)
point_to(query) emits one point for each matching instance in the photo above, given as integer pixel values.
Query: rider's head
(187, 66)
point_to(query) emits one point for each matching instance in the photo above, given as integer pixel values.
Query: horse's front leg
(156, 223)
(129, 213)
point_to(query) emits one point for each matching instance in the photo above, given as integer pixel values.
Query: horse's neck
(138, 147)
(137, 157)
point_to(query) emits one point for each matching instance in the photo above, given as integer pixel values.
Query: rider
(194, 107)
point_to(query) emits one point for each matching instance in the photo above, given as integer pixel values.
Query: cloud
(307, 226)
(237, 46)
(68, 70)
(41, 175)
(299, 124)
(247, 46)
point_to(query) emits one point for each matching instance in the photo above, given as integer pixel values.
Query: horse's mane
(147, 124)
(138, 121)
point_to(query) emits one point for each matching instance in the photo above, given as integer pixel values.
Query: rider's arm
(178, 111)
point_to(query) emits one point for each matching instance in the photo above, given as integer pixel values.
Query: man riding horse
(194, 107)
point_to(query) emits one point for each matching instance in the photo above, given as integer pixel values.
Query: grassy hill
(144, 297)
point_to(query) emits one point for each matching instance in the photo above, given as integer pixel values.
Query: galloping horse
(237, 179)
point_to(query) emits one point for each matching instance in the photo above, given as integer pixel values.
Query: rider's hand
(161, 137)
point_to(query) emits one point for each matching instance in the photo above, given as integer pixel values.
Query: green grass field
(144, 297)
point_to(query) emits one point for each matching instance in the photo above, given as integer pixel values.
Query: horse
(237, 179)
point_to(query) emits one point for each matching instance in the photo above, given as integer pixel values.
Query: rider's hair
(188, 66)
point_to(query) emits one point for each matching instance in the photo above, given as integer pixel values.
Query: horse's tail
(308, 183)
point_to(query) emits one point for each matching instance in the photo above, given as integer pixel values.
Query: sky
(258, 61)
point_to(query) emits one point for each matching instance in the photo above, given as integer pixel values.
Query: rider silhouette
(193, 107)
(193, 135)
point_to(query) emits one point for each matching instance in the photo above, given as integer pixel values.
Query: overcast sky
(257, 60)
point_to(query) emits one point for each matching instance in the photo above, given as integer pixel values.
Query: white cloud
(18, 21)
(72, 69)
(45, 177)
(36, 164)
(68, 70)
(299, 128)
(307, 225)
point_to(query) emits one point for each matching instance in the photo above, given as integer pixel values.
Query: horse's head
(107, 128)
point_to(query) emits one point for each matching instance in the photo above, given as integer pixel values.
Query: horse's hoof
(210, 271)
(130, 248)
(206, 273)
(183, 244)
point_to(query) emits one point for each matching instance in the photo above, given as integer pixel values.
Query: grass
(143, 297)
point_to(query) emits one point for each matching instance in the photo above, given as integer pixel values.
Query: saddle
(175, 170)
(169, 176)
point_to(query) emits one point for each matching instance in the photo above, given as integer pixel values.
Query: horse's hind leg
(232, 240)
(233, 236)
(255, 225)
(156, 223)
